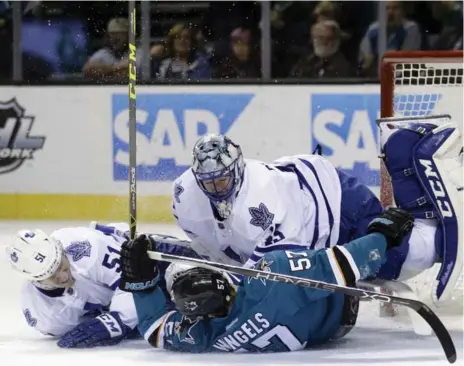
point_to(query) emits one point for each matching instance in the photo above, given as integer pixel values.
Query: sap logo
(344, 125)
(438, 188)
(168, 125)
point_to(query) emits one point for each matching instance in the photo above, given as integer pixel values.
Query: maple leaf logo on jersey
(178, 190)
(261, 216)
(78, 250)
(30, 320)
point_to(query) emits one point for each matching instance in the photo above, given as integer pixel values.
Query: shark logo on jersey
(178, 190)
(374, 255)
(168, 125)
(262, 265)
(180, 329)
(79, 250)
(261, 216)
(30, 320)
(14, 257)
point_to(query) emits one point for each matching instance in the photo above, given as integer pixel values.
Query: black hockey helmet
(200, 292)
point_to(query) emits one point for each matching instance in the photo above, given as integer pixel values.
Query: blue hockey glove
(105, 330)
(394, 223)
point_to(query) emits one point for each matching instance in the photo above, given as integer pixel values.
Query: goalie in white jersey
(72, 285)
(235, 210)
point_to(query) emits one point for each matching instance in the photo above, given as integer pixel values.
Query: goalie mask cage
(419, 83)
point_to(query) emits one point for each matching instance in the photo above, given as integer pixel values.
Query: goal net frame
(426, 70)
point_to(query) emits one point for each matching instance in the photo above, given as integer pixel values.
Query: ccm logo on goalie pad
(111, 325)
(437, 187)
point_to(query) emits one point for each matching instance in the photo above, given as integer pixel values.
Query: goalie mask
(218, 168)
(199, 292)
(40, 259)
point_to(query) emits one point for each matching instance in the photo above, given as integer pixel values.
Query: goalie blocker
(426, 180)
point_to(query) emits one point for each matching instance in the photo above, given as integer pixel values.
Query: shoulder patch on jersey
(262, 265)
(30, 320)
(261, 216)
(14, 257)
(79, 249)
(178, 190)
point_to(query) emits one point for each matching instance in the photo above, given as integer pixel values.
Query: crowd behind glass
(204, 40)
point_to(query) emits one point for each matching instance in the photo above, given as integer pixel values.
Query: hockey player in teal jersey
(213, 314)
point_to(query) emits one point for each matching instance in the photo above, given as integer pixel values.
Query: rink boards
(64, 150)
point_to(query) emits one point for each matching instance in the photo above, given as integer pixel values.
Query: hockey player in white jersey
(72, 285)
(236, 210)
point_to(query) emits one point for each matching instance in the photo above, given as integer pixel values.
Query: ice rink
(375, 341)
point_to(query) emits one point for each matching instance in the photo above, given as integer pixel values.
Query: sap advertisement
(168, 125)
(344, 126)
(267, 121)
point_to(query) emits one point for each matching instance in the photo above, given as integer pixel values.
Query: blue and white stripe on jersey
(319, 178)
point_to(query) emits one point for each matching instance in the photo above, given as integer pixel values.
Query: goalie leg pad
(398, 151)
(437, 160)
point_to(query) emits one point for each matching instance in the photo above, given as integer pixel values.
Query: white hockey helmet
(35, 255)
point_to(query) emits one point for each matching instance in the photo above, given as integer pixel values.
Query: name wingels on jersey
(291, 203)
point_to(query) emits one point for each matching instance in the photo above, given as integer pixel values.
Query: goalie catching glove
(138, 271)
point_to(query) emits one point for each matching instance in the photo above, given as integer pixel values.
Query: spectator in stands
(449, 14)
(182, 59)
(402, 34)
(326, 60)
(326, 10)
(111, 61)
(242, 61)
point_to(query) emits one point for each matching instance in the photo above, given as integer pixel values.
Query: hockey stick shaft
(422, 309)
(132, 123)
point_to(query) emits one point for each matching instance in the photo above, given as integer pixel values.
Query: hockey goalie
(235, 210)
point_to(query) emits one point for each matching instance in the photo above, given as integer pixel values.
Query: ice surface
(375, 341)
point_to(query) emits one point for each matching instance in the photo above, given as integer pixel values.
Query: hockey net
(419, 83)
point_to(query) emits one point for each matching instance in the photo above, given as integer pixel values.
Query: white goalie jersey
(291, 203)
(94, 260)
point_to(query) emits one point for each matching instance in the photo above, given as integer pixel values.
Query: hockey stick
(132, 124)
(423, 310)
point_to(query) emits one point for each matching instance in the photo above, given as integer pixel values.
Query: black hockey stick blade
(423, 310)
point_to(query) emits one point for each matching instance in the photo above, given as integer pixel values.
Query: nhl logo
(16, 145)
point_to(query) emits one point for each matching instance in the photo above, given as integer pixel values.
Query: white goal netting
(424, 86)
